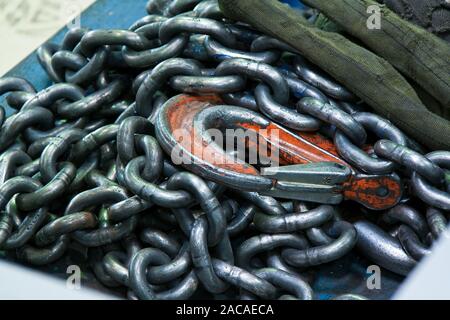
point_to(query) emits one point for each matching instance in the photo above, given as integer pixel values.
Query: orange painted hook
(308, 167)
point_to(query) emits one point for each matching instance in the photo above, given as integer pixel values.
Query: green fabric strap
(417, 53)
(370, 77)
(324, 23)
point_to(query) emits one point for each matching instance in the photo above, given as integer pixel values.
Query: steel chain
(80, 164)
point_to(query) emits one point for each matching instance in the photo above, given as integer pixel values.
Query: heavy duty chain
(86, 162)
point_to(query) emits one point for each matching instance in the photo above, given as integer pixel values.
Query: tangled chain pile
(80, 164)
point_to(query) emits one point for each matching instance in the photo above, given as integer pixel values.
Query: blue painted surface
(342, 276)
(294, 3)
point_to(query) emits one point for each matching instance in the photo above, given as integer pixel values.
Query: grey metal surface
(22, 283)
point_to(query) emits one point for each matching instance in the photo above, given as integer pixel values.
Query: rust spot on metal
(370, 191)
